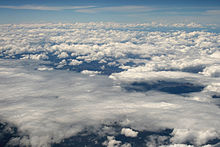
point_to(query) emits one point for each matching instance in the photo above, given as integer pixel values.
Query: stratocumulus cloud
(54, 105)
(124, 73)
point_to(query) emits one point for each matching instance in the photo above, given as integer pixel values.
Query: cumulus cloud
(75, 62)
(61, 64)
(129, 132)
(200, 137)
(90, 72)
(104, 42)
(35, 56)
(53, 105)
(111, 142)
(190, 25)
(154, 140)
(63, 55)
(213, 71)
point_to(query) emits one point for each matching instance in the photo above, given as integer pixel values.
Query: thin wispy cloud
(84, 9)
(96, 9)
(146, 11)
(50, 8)
(213, 12)
(128, 8)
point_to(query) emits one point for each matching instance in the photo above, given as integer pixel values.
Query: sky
(122, 11)
(167, 80)
(60, 80)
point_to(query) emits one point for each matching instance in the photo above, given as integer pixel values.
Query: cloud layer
(50, 104)
(49, 8)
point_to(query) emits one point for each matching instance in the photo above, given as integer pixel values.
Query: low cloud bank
(53, 105)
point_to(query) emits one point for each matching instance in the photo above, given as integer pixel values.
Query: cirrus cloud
(41, 7)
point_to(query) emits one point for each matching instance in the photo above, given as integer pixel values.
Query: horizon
(202, 12)
(110, 73)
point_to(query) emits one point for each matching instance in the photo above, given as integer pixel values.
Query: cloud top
(129, 132)
(43, 98)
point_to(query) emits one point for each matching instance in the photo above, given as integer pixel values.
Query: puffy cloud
(111, 142)
(53, 105)
(97, 41)
(57, 104)
(44, 68)
(63, 55)
(90, 72)
(35, 57)
(213, 87)
(199, 137)
(213, 71)
(129, 132)
(17, 141)
(194, 25)
(190, 25)
(75, 62)
(62, 63)
(155, 140)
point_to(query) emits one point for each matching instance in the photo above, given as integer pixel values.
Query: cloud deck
(48, 102)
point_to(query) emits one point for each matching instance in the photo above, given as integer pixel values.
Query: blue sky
(125, 11)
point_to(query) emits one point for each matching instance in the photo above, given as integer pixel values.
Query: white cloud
(111, 142)
(90, 72)
(194, 25)
(129, 132)
(200, 137)
(38, 7)
(35, 57)
(63, 55)
(57, 104)
(75, 62)
(44, 68)
(53, 105)
(131, 8)
(213, 87)
(213, 71)
(213, 12)
(62, 63)
(155, 140)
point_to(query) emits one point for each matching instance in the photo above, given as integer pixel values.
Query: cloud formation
(129, 132)
(48, 8)
(213, 12)
(51, 104)
(130, 9)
